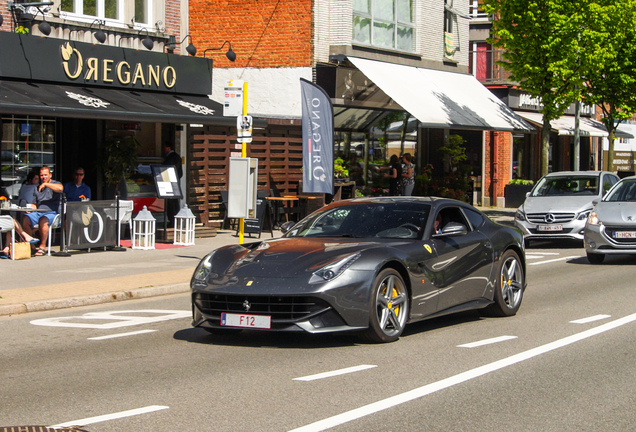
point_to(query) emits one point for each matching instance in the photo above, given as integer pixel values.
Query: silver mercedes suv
(559, 204)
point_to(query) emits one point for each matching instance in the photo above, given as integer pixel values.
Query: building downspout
(494, 145)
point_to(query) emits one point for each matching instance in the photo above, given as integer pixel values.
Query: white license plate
(625, 234)
(550, 228)
(247, 321)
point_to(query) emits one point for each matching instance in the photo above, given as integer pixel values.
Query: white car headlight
(520, 215)
(333, 270)
(593, 219)
(584, 214)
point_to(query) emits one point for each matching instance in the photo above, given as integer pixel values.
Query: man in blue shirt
(77, 190)
(47, 201)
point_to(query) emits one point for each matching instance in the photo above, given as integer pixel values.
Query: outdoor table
(289, 200)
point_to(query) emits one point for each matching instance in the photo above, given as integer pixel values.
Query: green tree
(609, 42)
(454, 151)
(541, 44)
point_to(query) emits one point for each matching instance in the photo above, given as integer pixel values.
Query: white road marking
(539, 255)
(486, 342)
(555, 260)
(590, 319)
(103, 418)
(335, 373)
(118, 335)
(113, 319)
(459, 378)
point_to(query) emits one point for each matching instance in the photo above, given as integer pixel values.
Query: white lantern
(184, 227)
(143, 235)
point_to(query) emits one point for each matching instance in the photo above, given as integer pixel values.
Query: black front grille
(280, 308)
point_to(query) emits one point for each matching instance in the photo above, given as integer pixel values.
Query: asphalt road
(564, 363)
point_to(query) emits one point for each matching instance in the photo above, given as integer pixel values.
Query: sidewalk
(47, 283)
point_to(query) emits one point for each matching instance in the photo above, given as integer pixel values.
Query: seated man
(77, 190)
(47, 201)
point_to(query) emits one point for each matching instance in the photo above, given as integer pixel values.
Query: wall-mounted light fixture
(172, 43)
(100, 36)
(147, 42)
(23, 15)
(231, 55)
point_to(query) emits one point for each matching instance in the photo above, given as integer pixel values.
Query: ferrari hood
(617, 213)
(287, 257)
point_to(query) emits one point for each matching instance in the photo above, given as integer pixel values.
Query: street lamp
(25, 13)
(172, 43)
(231, 55)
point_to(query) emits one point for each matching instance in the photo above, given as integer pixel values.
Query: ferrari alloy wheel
(509, 286)
(390, 307)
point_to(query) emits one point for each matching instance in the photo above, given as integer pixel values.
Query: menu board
(166, 181)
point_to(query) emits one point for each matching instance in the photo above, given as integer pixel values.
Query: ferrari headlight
(593, 219)
(204, 269)
(333, 270)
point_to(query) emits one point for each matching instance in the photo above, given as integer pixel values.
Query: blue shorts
(34, 217)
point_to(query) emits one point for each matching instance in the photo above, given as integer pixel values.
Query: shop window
(27, 143)
(114, 12)
(384, 24)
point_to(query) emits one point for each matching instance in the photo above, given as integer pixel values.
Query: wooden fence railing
(279, 152)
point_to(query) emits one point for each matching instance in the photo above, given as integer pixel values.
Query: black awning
(28, 98)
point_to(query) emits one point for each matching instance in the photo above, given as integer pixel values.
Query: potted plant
(340, 171)
(515, 192)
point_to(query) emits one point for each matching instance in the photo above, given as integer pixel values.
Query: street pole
(577, 136)
(243, 155)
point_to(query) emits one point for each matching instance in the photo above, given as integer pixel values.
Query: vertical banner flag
(317, 139)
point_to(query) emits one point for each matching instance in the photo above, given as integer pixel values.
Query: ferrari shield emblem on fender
(428, 248)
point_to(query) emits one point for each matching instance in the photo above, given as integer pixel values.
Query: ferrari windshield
(385, 220)
(566, 185)
(624, 191)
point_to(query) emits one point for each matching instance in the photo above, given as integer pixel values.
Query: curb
(93, 299)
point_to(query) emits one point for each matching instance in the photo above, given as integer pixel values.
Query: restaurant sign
(70, 62)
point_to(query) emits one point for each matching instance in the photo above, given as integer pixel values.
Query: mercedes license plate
(550, 228)
(245, 320)
(625, 234)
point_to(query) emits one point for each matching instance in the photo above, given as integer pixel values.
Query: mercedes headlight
(520, 215)
(584, 214)
(333, 270)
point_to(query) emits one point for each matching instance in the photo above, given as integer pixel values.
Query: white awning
(442, 99)
(565, 125)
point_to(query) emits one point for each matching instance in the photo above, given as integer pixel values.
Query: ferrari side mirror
(286, 227)
(454, 229)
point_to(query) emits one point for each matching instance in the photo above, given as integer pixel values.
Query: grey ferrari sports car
(368, 264)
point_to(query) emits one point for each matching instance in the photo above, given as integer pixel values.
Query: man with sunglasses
(77, 190)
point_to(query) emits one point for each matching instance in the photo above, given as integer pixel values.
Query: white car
(559, 204)
(611, 226)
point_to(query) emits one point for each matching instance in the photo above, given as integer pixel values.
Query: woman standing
(408, 175)
(394, 175)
